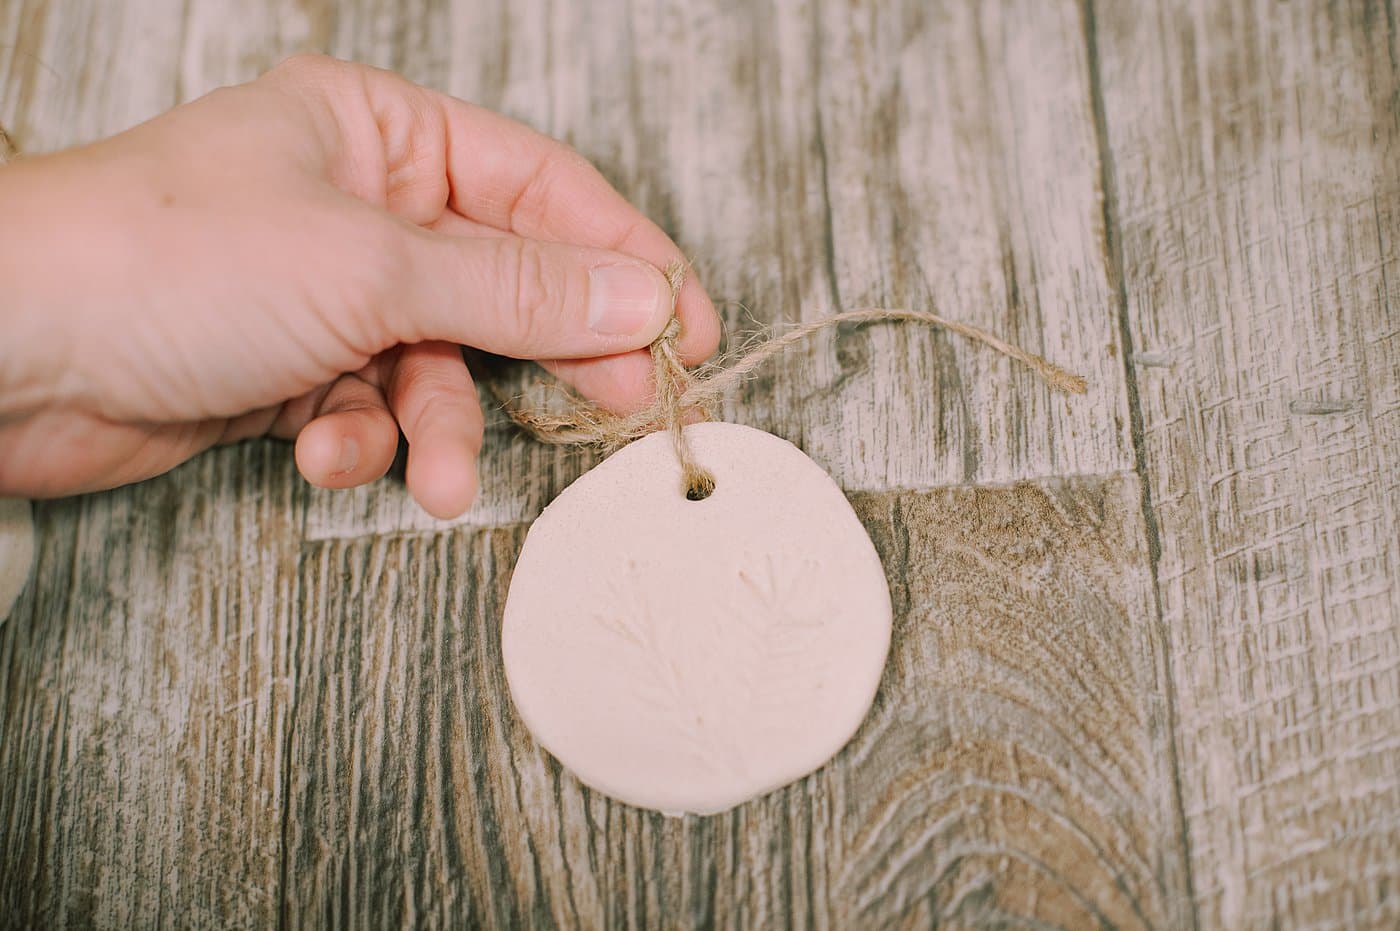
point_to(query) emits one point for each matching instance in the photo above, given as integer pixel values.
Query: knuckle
(534, 299)
(433, 396)
(566, 160)
(317, 73)
(560, 164)
(441, 408)
(304, 65)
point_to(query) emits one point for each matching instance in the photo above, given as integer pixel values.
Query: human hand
(300, 257)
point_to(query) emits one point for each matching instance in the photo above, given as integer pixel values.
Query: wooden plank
(240, 743)
(1254, 157)
(146, 694)
(1015, 770)
(72, 73)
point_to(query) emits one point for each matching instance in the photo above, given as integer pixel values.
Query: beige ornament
(687, 656)
(16, 551)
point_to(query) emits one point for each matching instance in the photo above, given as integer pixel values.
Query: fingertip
(345, 449)
(317, 452)
(442, 476)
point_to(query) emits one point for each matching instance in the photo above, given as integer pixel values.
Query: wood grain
(1256, 164)
(1015, 769)
(1163, 691)
(146, 686)
(338, 748)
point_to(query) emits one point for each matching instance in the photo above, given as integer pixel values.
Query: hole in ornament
(700, 487)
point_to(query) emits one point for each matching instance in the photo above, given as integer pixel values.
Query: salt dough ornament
(16, 551)
(687, 656)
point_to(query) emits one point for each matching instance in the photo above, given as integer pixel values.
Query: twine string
(682, 394)
(673, 381)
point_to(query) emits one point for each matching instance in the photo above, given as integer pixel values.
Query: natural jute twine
(682, 394)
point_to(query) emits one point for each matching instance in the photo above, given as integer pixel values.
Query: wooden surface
(1146, 666)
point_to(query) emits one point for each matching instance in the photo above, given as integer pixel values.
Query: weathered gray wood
(147, 690)
(1255, 152)
(229, 700)
(1016, 768)
(174, 738)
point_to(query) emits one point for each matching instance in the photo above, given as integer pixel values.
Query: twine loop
(673, 381)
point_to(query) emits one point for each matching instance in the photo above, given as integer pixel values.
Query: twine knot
(673, 383)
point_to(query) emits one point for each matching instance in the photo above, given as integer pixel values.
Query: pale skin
(301, 257)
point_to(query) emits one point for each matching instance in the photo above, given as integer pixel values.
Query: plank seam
(1114, 266)
(316, 539)
(294, 707)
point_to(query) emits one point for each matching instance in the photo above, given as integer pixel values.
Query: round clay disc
(687, 656)
(16, 551)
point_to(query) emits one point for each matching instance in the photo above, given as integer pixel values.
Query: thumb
(531, 299)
